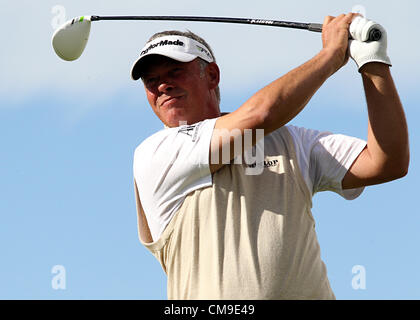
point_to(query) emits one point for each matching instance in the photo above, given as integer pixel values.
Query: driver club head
(70, 39)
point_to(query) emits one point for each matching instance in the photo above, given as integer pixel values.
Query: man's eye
(176, 71)
(150, 80)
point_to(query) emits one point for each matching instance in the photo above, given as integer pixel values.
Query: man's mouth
(170, 100)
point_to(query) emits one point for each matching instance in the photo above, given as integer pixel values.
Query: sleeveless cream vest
(246, 236)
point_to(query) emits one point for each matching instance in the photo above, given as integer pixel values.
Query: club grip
(374, 34)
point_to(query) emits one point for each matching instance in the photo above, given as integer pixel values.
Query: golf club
(71, 38)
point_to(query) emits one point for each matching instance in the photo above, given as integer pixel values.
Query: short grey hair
(191, 35)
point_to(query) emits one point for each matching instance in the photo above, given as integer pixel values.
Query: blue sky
(69, 131)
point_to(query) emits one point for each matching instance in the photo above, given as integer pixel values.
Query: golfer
(224, 200)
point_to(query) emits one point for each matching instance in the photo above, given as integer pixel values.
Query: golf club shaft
(374, 34)
(263, 22)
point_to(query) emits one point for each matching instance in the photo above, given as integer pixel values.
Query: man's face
(178, 91)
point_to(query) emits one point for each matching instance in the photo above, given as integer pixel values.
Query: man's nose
(165, 86)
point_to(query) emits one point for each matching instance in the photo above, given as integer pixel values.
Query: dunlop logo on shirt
(267, 164)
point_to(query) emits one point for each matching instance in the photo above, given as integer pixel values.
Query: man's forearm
(283, 99)
(388, 143)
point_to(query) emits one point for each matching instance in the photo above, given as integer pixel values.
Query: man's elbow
(398, 169)
(404, 168)
(405, 163)
(399, 173)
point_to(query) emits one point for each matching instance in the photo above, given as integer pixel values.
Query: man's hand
(335, 38)
(363, 52)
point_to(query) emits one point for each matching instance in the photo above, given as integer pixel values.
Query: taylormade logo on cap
(177, 44)
(179, 48)
(162, 43)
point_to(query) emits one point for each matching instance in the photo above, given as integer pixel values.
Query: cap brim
(139, 65)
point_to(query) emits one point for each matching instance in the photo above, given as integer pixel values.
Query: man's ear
(213, 74)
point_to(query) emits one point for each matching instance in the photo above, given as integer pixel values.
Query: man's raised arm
(280, 101)
(386, 156)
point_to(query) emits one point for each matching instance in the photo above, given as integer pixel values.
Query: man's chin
(176, 122)
(176, 117)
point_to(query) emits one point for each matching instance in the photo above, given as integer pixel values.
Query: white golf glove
(363, 52)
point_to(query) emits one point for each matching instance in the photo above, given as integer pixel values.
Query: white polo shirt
(174, 162)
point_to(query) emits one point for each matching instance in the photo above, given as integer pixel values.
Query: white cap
(179, 48)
